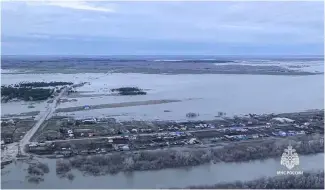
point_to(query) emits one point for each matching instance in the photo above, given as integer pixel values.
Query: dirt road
(12, 149)
(47, 114)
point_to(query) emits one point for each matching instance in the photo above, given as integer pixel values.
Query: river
(14, 175)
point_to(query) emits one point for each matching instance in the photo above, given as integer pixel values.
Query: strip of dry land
(117, 105)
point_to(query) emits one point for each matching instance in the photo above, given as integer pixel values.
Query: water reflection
(199, 175)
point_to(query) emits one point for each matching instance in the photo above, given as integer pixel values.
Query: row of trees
(305, 181)
(23, 93)
(36, 172)
(42, 84)
(129, 91)
(160, 159)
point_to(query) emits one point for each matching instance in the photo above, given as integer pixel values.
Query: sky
(161, 28)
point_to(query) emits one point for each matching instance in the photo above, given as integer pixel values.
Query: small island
(126, 91)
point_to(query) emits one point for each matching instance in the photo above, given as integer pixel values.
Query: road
(47, 114)
(12, 149)
(143, 135)
(150, 134)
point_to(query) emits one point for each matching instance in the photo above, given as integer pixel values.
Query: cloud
(79, 5)
(286, 24)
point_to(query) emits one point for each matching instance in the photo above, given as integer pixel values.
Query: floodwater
(200, 175)
(22, 107)
(205, 94)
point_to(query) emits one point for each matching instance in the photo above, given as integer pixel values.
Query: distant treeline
(42, 84)
(129, 91)
(23, 93)
(30, 91)
(304, 181)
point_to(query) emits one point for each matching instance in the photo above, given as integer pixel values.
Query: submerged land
(112, 116)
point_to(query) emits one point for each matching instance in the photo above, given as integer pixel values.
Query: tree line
(42, 84)
(307, 180)
(26, 94)
(129, 91)
(160, 159)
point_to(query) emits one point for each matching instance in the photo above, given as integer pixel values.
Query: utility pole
(19, 154)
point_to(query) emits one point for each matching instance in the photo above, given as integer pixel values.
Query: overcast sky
(209, 28)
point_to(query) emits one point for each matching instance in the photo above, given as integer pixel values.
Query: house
(122, 147)
(254, 136)
(193, 141)
(282, 120)
(211, 126)
(184, 128)
(282, 133)
(133, 137)
(11, 122)
(90, 121)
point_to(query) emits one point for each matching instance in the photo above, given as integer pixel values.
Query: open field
(168, 66)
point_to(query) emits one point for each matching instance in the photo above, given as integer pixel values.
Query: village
(66, 137)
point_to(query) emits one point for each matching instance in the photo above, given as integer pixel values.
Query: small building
(193, 141)
(282, 133)
(255, 136)
(90, 121)
(125, 148)
(184, 128)
(282, 120)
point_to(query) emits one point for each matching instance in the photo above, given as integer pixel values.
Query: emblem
(289, 158)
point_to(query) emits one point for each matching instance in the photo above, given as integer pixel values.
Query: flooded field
(21, 107)
(209, 174)
(204, 94)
